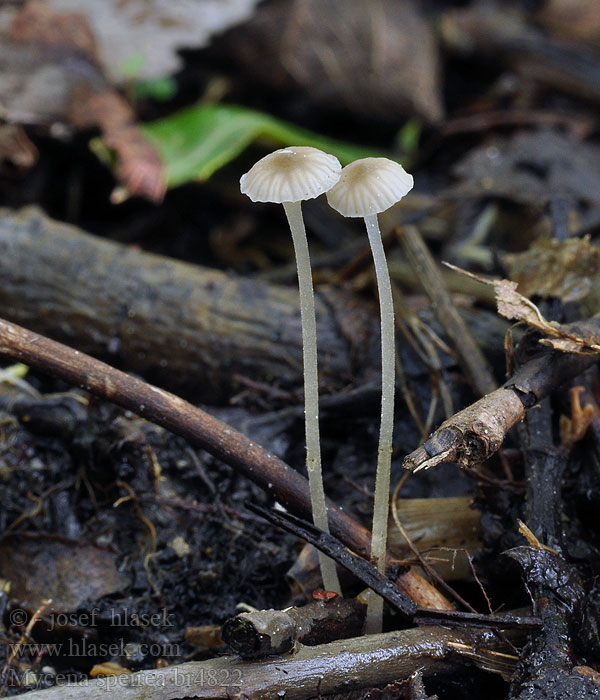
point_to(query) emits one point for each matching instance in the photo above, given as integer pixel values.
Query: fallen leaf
(142, 36)
(49, 566)
(197, 141)
(566, 270)
(516, 307)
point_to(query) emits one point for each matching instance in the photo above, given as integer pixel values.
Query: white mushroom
(287, 177)
(365, 188)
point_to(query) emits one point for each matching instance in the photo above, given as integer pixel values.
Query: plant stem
(384, 456)
(293, 211)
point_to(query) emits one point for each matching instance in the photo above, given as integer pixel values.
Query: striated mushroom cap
(291, 175)
(369, 186)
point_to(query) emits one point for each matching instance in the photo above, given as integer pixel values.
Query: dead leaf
(50, 71)
(516, 307)
(532, 168)
(16, 148)
(377, 63)
(49, 566)
(142, 36)
(571, 19)
(108, 668)
(567, 270)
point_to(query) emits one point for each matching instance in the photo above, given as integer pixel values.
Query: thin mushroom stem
(384, 456)
(293, 211)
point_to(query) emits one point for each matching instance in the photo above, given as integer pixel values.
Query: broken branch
(266, 632)
(200, 429)
(472, 435)
(374, 659)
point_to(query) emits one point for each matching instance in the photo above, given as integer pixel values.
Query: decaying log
(201, 429)
(179, 325)
(341, 666)
(267, 632)
(197, 331)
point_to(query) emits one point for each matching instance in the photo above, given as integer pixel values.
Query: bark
(201, 429)
(341, 666)
(472, 435)
(265, 632)
(189, 328)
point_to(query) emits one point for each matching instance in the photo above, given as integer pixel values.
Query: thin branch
(267, 632)
(386, 588)
(472, 435)
(200, 429)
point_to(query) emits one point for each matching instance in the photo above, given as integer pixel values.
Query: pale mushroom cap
(291, 175)
(369, 186)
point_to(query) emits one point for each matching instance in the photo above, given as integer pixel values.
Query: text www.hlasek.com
(87, 648)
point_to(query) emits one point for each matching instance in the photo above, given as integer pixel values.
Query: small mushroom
(365, 188)
(289, 176)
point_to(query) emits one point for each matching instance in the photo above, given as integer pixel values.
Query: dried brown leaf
(50, 566)
(568, 270)
(516, 307)
(139, 167)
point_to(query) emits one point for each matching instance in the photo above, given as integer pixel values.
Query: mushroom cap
(369, 186)
(291, 175)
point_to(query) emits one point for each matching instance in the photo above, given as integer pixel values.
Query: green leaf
(160, 89)
(197, 141)
(132, 65)
(408, 137)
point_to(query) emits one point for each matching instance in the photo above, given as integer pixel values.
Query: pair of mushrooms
(362, 189)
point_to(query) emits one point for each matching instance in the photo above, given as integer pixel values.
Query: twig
(201, 429)
(467, 351)
(472, 435)
(364, 662)
(17, 648)
(267, 632)
(369, 575)
(334, 549)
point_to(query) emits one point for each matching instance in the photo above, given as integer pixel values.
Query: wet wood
(341, 666)
(185, 327)
(200, 428)
(267, 632)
